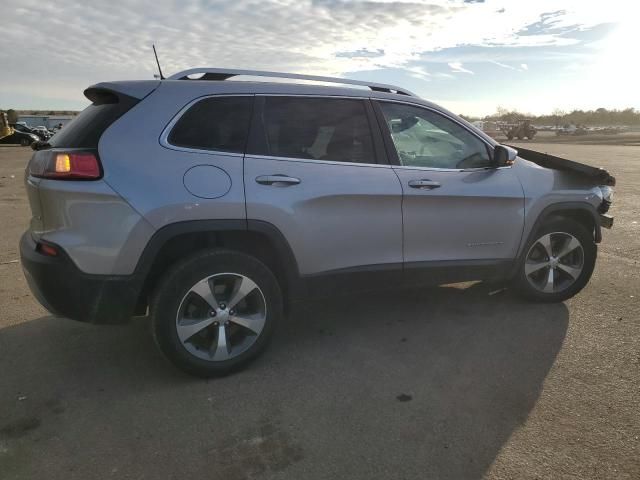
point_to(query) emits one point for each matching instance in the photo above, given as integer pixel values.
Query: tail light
(46, 249)
(65, 165)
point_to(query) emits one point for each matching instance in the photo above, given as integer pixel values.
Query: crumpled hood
(599, 175)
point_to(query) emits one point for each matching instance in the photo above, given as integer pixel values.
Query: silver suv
(212, 204)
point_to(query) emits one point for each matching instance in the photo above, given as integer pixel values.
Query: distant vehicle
(9, 135)
(43, 131)
(19, 138)
(571, 129)
(42, 135)
(488, 127)
(520, 130)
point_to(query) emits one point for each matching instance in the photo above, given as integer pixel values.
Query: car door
(458, 209)
(312, 171)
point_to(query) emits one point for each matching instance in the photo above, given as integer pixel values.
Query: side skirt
(372, 278)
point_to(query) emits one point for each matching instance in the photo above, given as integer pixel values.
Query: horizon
(470, 56)
(489, 116)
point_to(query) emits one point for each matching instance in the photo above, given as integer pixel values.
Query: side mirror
(504, 156)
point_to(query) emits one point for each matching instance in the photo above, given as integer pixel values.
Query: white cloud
(419, 72)
(503, 65)
(522, 68)
(58, 48)
(457, 67)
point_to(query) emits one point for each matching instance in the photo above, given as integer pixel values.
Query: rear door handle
(277, 180)
(425, 184)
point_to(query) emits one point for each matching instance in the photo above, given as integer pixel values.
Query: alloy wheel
(554, 262)
(221, 316)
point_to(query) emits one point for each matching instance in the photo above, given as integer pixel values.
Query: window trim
(257, 135)
(392, 153)
(164, 136)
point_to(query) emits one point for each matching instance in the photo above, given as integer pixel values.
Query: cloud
(419, 72)
(457, 67)
(59, 48)
(523, 66)
(362, 53)
(503, 65)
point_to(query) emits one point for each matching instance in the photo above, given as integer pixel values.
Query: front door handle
(425, 184)
(277, 180)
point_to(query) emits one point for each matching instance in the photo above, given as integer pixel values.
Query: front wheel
(215, 311)
(558, 262)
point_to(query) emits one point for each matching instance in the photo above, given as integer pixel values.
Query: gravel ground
(445, 383)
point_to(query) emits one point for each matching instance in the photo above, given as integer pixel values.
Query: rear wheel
(215, 311)
(558, 262)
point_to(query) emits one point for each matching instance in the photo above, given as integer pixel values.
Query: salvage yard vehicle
(40, 134)
(520, 130)
(10, 136)
(212, 204)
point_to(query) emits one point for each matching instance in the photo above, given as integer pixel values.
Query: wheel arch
(175, 241)
(582, 212)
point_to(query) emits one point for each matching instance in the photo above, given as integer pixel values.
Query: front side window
(426, 139)
(318, 129)
(214, 123)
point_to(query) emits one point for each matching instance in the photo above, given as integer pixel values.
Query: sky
(471, 56)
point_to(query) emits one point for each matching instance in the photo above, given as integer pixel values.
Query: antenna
(158, 62)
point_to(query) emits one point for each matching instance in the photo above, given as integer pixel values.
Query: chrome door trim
(315, 162)
(435, 169)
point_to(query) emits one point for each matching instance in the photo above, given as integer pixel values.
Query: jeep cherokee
(211, 204)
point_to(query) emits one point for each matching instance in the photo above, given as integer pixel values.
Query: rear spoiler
(137, 89)
(600, 175)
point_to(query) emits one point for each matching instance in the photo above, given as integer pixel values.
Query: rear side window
(318, 129)
(214, 123)
(85, 130)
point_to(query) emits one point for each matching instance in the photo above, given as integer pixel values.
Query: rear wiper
(40, 145)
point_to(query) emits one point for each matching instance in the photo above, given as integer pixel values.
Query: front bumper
(66, 291)
(606, 221)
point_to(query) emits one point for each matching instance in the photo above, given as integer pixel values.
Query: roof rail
(224, 74)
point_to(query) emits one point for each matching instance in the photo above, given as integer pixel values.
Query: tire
(24, 142)
(175, 305)
(565, 285)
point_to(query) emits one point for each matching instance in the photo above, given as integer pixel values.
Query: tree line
(599, 117)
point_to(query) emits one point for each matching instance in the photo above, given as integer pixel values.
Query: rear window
(85, 130)
(318, 129)
(214, 123)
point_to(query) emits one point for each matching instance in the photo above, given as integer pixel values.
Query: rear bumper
(66, 291)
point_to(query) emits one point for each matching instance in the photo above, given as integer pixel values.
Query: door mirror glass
(504, 156)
